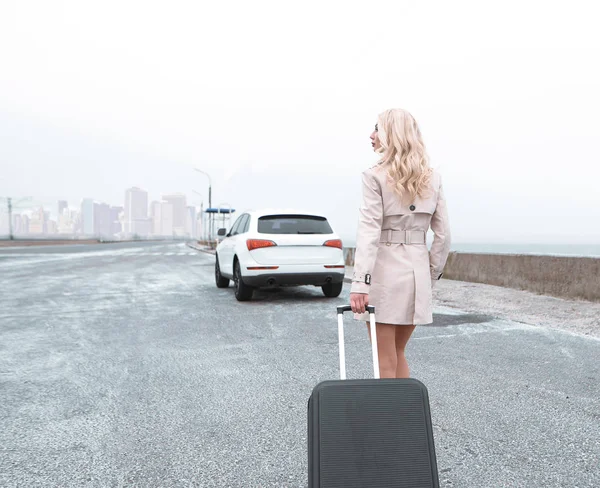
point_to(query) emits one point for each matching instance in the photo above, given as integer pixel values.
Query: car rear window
(293, 224)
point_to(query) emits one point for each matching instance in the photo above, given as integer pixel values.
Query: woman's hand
(359, 302)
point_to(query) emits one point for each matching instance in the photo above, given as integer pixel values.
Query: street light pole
(203, 236)
(210, 231)
(10, 227)
(9, 201)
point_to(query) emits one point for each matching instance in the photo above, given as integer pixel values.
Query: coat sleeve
(368, 233)
(440, 248)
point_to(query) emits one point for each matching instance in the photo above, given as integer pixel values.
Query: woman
(393, 270)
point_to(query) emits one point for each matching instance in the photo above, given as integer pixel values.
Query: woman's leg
(403, 333)
(386, 347)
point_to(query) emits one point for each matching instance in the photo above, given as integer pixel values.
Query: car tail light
(258, 244)
(334, 243)
(336, 266)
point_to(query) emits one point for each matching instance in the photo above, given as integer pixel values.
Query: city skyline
(169, 214)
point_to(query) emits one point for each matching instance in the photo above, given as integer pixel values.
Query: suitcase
(370, 433)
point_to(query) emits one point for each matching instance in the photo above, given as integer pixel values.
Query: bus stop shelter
(216, 212)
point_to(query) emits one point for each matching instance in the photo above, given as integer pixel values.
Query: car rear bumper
(294, 279)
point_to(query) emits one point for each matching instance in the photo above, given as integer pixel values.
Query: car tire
(243, 292)
(220, 280)
(332, 290)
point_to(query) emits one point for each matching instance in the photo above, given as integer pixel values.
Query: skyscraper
(115, 220)
(136, 212)
(62, 205)
(38, 225)
(162, 219)
(155, 215)
(179, 202)
(66, 222)
(18, 225)
(51, 227)
(101, 219)
(87, 217)
(166, 219)
(25, 224)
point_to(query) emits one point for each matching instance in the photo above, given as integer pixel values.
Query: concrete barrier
(559, 276)
(349, 255)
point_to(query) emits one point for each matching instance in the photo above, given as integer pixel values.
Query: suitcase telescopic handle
(348, 308)
(371, 311)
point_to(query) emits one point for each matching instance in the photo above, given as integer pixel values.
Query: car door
(227, 248)
(239, 240)
(244, 227)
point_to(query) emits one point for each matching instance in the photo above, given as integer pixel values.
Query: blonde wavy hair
(403, 154)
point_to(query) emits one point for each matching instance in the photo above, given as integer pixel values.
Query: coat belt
(389, 236)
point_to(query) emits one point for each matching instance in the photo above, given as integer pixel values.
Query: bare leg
(386, 345)
(403, 333)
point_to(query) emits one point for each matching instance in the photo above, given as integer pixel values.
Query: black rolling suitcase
(370, 433)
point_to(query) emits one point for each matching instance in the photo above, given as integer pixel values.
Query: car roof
(283, 211)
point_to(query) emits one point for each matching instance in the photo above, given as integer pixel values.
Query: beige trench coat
(392, 263)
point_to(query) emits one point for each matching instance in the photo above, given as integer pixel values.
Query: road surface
(124, 365)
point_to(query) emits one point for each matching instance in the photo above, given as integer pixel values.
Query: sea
(548, 249)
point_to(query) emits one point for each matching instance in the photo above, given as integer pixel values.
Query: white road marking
(15, 260)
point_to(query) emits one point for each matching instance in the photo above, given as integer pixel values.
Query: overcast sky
(276, 101)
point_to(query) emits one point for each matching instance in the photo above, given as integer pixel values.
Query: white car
(272, 248)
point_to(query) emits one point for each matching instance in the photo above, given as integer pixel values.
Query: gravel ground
(576, 316)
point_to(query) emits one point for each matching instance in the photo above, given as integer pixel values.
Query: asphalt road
(124, 365)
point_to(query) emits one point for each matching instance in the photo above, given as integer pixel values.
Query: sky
(276, 101)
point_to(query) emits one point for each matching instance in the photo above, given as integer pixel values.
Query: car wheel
(220, 280)
(332, 290)
(243, 292)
